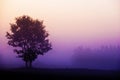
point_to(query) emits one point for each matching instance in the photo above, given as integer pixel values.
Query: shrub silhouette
(29, 37)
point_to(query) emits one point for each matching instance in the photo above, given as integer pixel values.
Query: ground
(36, 73)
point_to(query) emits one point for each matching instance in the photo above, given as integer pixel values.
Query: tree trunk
(26, 64)
(30, 65)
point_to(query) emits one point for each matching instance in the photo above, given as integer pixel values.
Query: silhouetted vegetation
(103, 57)
(29, 37)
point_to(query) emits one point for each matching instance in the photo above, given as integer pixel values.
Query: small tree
(29, 37)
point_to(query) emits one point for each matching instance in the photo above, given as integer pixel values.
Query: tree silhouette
(29, 37)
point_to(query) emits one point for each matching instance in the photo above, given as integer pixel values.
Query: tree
(29, 37)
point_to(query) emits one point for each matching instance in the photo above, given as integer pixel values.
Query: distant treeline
(105, 56)
(102, 49)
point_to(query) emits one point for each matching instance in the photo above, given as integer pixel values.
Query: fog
(70, 23)
(106, 57)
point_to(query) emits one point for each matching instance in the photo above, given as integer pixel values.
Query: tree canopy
(29, 37)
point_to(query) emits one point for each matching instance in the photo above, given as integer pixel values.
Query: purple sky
(71, 23)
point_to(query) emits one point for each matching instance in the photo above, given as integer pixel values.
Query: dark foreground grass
(43, 74)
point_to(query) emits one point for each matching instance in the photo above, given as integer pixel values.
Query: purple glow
(70, 23)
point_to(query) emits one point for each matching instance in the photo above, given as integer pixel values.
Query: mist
(89, 57)
(70, 23)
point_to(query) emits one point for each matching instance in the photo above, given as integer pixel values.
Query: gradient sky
(71, 23)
